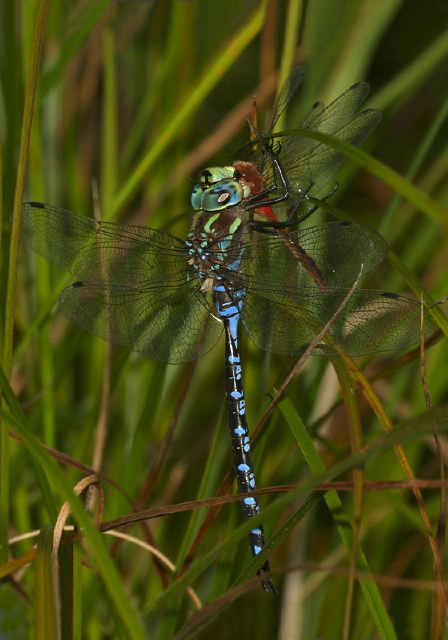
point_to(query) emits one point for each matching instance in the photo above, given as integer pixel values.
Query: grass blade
(370, 590)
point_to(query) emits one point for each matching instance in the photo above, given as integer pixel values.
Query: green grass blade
(209, 481)
(370, 590)
(222, 62)
(422, 151)
(200, 564)
(66, 586)
(45, 620)
(85, 21)
(109, 137)
(28, 108)
(414, 74)
(398, 183)
(365, 30)
(292, 26)
(112, 580)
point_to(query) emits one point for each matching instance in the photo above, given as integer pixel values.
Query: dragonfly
(244, 262)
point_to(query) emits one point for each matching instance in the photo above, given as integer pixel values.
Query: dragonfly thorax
(213, 245)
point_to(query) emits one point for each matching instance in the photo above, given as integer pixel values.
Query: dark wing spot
(78, 284)
(36, 205)
(389, 294)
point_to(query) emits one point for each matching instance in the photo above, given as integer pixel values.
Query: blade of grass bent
(398, 183)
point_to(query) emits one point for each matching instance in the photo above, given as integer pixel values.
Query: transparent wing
(287, 92)
(329, 255)
(372, 321)
(310, 165)
(96, 252)
(138, 289)
(341, 110)
(170, 323)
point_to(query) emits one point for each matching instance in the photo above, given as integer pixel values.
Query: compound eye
(225, 194)
(213, 175)
(206, 178)
(196, 197)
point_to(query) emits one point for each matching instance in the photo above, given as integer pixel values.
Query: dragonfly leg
(240, 438)
(254, 201)
(270, 227)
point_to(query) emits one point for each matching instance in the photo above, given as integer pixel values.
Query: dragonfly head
(218, 188)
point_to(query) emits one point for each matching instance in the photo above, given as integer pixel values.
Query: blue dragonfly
(244, 262)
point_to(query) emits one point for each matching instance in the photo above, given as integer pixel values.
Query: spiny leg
(272, 227)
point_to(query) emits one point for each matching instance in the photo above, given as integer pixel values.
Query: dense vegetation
(128, 100)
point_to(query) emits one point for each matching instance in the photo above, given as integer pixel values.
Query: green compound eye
(196, 197)
(217, 189)
(212, 175)
(226, 193)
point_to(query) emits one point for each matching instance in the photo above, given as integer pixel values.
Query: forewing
(170, 323)
(102, 252)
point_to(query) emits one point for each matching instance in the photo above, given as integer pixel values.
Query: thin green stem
(109, 142)
(354, 427)
(292, 27)
(422, 152)
(30, 94)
